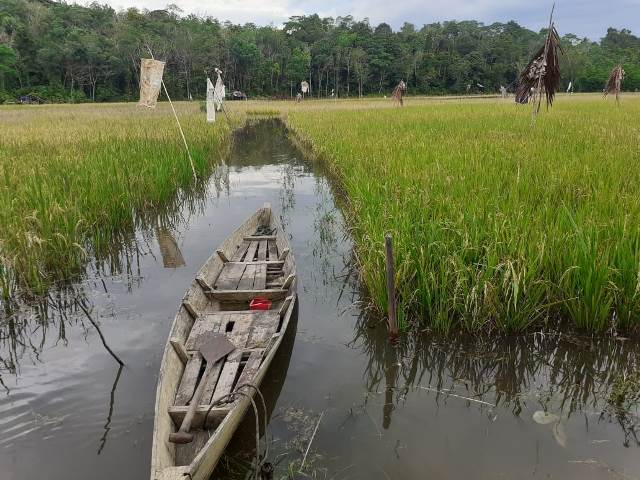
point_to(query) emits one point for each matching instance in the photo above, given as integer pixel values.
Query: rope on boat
(229, 398)
(264, 408)
(265, 230)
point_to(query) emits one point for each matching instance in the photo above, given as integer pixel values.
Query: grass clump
(71, 177)
(496, 224)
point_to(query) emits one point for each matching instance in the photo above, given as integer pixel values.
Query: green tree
(70, 50)
(7, 66)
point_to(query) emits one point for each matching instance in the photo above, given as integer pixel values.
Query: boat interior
(248, 299)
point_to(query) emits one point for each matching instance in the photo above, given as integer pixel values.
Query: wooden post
(391, 289)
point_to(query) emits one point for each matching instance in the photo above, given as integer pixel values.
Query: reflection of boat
(253, 262)
(169, 249)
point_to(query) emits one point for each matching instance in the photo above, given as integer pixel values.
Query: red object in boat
(260, 303)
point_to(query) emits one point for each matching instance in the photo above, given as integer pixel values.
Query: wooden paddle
(212, 351)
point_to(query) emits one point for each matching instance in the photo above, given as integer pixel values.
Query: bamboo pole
(391, 290)
(184, 139)
(538, 93)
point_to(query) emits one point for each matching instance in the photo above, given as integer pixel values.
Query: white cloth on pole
(150, 81)
(219, 91)
(211, 106)
(304, 86)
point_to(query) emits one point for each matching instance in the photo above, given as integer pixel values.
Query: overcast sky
(589, 18)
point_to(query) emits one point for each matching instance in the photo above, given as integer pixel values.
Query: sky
(585, 18)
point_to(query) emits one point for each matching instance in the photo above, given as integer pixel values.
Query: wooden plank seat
(217, 414)
(242, 276)
(247, 295)
(239, 369)
(242, 328)
(256, 248)
(250, 331)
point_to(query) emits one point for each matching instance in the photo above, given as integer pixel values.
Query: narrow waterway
(532, 406)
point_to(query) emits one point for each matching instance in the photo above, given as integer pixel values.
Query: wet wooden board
(272, 249)
(189, 380)
(242, 249)
(260, 237)
(250, 369)
(262, 328)
(251, 251)
(219, 323)
(247, 295)
(262, 250)
(203, 284)
(191, 310)
(273, 276)
(172, 473)
(246, 282)
(204, 325)
(216, 415)
(180, 349)
(230, 276)
(275, 281)
(228, 375)
(254, 277)
(186, 452)
(260, 279)
(269, 263)
(210, 387)
(241, 328)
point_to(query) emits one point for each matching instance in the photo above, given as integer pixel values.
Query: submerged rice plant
(72, 177)
(496, 224)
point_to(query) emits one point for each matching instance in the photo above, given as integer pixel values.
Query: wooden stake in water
(391, 289)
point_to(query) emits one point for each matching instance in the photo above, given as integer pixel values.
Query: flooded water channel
(532, 406)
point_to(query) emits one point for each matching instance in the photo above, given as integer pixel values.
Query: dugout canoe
(254, 262)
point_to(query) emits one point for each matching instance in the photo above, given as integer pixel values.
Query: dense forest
(66, 52)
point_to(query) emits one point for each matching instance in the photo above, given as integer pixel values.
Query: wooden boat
(254, 262)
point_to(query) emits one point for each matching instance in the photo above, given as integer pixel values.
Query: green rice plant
(73, 177)
(263, 112)
(496, 223)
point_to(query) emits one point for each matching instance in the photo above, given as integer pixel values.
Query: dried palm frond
(542, 73)
(614, 84)
(399, 92)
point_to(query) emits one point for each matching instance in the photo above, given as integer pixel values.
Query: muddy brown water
(531, 406)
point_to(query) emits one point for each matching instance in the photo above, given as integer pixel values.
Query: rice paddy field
(74, 176)
(497, 223)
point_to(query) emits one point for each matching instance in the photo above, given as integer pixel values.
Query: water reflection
(112, 401)
(26, 320)
(563, 373)
(169, 249)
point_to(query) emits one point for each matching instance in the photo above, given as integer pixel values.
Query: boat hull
(203, 300)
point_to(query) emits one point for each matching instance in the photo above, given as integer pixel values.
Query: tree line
(67, 52)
